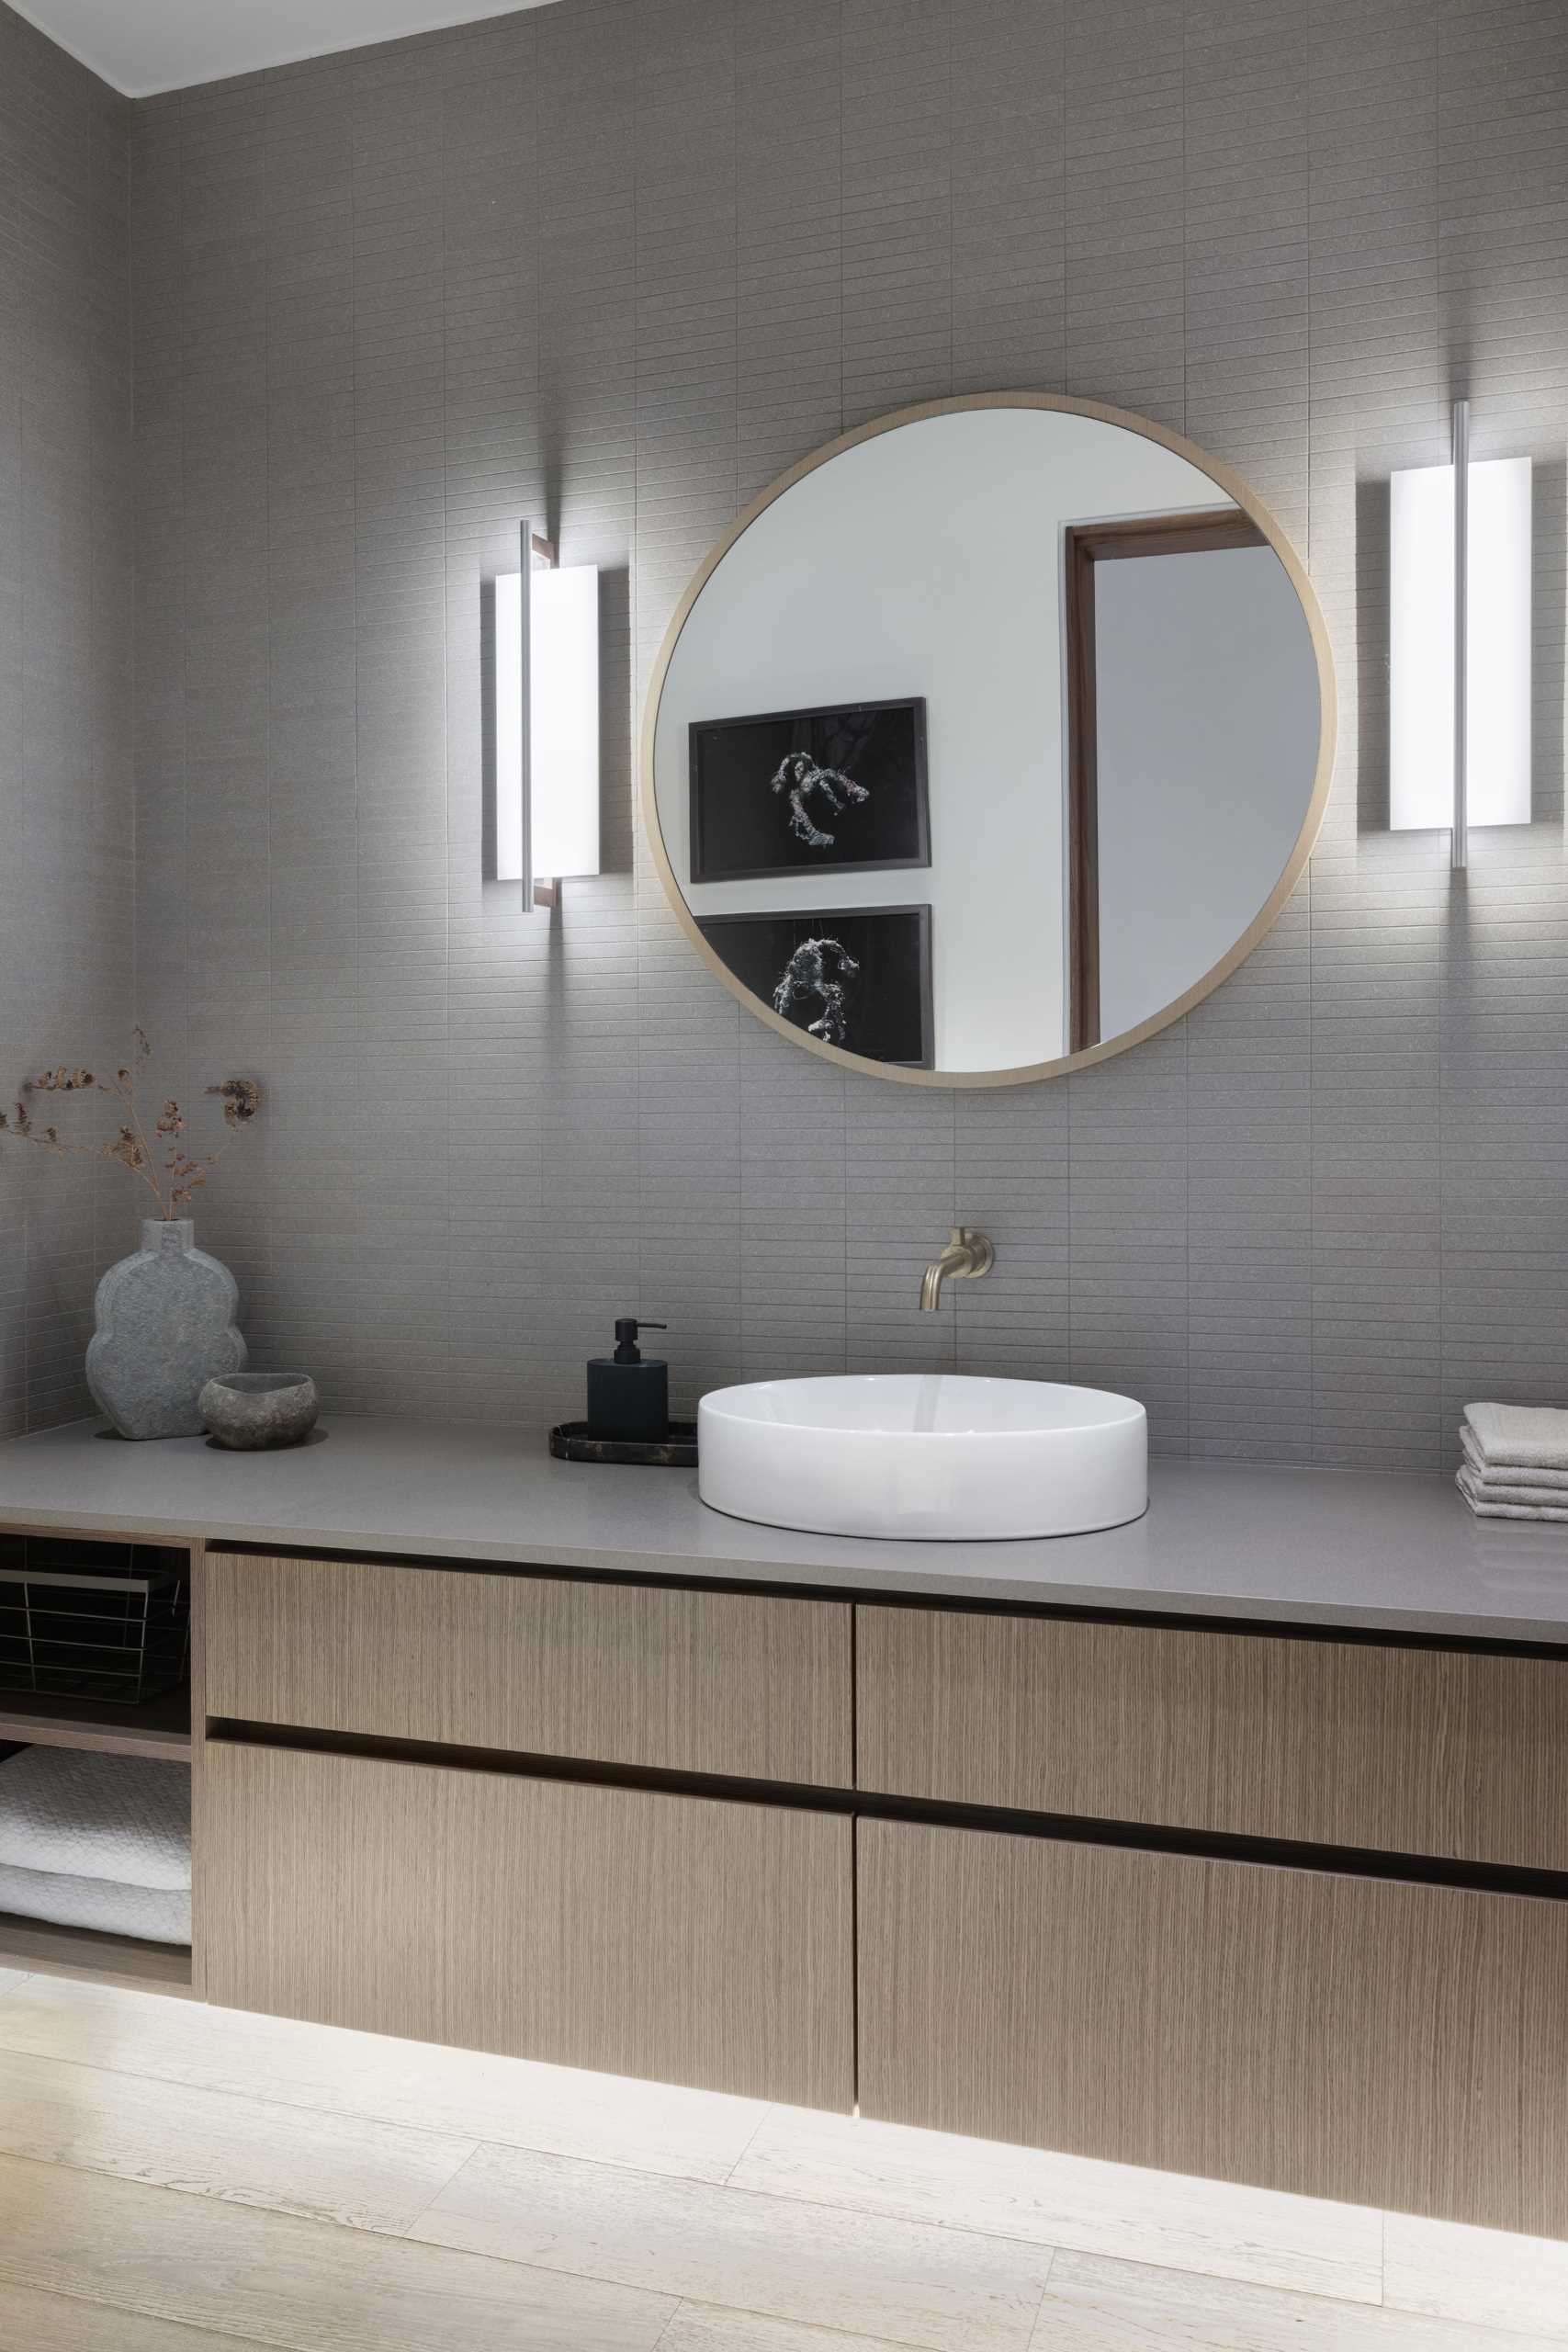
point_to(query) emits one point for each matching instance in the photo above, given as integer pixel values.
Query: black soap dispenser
(628, 1392)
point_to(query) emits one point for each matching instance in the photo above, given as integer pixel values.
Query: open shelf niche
(158, 1726)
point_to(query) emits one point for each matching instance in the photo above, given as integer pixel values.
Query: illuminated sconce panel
(565, 764)
(1494, 786)
(546, 723)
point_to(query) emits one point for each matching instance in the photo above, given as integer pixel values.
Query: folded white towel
(153, 1913)
(1530, 1499)
(1521, 1437)
(1484, 1501)
(1505, 1477)
(1527, 1490)
(123, 1818)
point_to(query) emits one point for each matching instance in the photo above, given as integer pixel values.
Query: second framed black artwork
(790, 791)
(859, 977)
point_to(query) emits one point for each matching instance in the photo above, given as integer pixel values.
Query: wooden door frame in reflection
(1224, 479)
(1205, 531)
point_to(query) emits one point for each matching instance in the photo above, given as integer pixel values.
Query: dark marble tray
(570, 1443)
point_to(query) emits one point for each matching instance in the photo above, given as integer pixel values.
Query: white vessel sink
(930, 1455)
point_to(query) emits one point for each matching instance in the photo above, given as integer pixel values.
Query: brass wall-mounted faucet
(967, 1256)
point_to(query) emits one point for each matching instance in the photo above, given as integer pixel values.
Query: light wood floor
(177, 2179)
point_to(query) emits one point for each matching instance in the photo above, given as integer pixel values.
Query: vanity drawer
(1372, 2041)
(615, 1674)
(678, 1938)
(1452, 1754)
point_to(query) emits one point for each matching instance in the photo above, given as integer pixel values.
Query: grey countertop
(1316, 1547)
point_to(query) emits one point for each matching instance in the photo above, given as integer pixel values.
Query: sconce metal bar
(533, 548)
(1461, 635)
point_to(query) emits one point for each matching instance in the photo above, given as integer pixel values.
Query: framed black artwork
(856, 976)
(809, 791)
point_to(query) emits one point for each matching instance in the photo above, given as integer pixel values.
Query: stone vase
(165, 1327)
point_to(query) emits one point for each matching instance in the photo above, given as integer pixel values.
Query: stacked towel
(152, 1914)
(96, 1841)
(1514, 1461)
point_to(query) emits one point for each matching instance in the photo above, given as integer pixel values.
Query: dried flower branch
(176, 1180)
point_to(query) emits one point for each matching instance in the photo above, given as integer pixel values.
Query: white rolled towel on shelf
(78, 1814)
(158, 1915)
(96, 1841)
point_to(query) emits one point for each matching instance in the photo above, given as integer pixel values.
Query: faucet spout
(968, 1255)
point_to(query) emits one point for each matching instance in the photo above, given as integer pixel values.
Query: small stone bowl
(251, 1410)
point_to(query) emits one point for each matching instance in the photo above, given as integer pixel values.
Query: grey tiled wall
(65, 712)
(620, 261)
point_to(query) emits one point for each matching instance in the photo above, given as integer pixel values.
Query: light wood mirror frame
(1249, 504)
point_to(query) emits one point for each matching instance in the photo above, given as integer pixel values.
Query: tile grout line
(805, 2327)
(752, 2141)
(1037, 2343)
(183, 2086)
(141, 2310)
(414, 2220)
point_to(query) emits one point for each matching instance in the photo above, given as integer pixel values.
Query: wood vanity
(1221, 1881)
(465, 1769)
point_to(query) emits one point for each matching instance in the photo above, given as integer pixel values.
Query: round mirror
(989, 740)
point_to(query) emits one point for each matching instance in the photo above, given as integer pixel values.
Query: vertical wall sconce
(1460, 643)
(546, 721)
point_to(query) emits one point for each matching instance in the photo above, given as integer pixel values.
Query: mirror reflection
(990, 740)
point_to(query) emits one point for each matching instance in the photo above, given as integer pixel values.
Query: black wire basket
(92, 1620)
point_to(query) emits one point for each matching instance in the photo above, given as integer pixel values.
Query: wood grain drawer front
(626, 1931)
(1453, 1753)
(1378, 2043)
(618, 1674)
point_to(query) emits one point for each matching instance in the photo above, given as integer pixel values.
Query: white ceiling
(146, 45)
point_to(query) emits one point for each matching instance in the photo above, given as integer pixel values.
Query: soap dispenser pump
(628, 1392)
